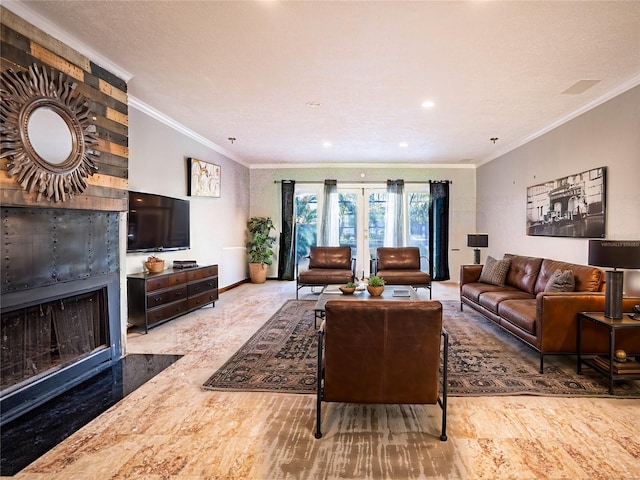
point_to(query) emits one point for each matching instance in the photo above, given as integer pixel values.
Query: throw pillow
(495, 271)
(561, 282)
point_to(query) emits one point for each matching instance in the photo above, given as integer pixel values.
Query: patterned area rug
(483, 360)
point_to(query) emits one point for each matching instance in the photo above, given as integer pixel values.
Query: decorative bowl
(347, 290)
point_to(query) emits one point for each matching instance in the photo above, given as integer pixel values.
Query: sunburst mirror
(46, 133)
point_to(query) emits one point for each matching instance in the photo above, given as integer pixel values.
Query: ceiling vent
(580, 86)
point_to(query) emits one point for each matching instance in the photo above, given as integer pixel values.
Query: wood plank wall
(22, 44)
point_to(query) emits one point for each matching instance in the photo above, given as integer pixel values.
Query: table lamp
(615, 254)
(477, 240)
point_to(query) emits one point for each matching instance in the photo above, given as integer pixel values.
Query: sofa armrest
(428, 261)
(300, 260)
(469, 274)
(353, 269)
(557, 313)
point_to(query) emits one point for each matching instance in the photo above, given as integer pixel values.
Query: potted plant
(375, 286)
(259, 247)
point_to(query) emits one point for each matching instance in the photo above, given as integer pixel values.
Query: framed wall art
(572, 206)
(204, 178)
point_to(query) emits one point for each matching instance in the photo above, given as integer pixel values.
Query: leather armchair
(327, 266)
(381, 352)
(401, 266)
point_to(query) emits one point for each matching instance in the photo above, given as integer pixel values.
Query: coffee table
(331, 292)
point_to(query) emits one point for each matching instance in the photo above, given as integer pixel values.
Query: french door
(362, 221)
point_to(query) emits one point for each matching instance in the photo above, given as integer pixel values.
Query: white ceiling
(248, 69)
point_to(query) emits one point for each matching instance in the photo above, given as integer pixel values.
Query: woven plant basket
(155, 267)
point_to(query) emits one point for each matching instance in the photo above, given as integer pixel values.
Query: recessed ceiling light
(326, 144)
(403, 144)
(428, 104)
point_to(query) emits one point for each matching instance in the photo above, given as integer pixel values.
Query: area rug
(484, 360)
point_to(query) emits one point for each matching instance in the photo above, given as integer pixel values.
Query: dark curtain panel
(286, 260)
(439, 230)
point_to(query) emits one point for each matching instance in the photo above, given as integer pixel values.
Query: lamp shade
(477, 240)
(615, 253)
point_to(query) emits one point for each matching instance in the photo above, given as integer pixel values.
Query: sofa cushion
(491, 300)
(520, 312)
(561, 282)
(325, 276)
(494, 271)
(398, 258)
(404, 277)
(330, 257)
(523, 272)
(587, 279)
(472, 291)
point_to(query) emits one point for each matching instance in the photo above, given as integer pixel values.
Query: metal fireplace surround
(51, 255)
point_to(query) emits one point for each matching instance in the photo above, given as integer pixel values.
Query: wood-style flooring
(172, 429)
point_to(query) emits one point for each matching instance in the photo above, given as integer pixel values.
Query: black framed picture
(572, 206)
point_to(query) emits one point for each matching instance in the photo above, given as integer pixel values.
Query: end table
(612, 325)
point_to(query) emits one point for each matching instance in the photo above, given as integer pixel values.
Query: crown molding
(170, 122)
(423, 166)
(620, 89)
(21, 9)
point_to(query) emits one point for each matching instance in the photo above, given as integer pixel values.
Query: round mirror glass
(49, 135)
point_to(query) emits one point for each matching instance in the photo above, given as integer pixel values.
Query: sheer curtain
(286, 256)
(329, 227)
(394, 214)
(439, 230)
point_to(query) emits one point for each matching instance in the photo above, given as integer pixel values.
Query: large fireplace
(60, 319)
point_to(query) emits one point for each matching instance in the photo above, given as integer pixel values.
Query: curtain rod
(363, 182)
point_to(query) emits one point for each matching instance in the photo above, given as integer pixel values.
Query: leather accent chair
(378, 352)
(327, 266)
(401, 266)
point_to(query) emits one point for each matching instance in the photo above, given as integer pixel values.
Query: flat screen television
(157, 223)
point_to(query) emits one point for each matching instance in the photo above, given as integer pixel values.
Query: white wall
(607, 136)
(266, 194)
(158, 164)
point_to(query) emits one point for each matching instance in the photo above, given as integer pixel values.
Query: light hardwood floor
(172, 429)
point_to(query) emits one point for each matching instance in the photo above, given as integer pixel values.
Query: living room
(489, 197)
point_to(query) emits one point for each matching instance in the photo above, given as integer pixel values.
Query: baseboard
(233, 285)
(246, 280)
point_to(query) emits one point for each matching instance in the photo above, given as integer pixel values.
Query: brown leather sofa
(382, 353)
(546, 321)
(327, 266)
(401, 266)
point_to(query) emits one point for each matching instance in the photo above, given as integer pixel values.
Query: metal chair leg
(318, 433)
(445, 363)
